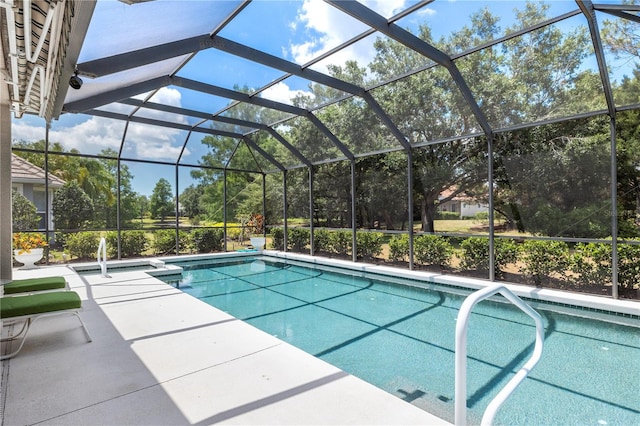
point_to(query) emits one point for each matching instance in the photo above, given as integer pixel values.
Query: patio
(160, 356)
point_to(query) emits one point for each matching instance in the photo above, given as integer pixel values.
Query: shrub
(369, 244)
(432, 250)
(481, 216)
(207, 240)
(629, 266)
(475, 253)
(321, 240)
(277, 238)
(340, 242)
(132, 243)
(24, 214)
(235, 233)
(83, 245)
(297, 238)
(543, 258)
(164, 241)
(447, 216)
(592, 262)
(399, 248)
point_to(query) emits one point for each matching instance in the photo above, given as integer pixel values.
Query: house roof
(449, 191)
(23, 171)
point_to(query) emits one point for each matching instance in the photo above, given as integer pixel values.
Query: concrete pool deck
(160, 356)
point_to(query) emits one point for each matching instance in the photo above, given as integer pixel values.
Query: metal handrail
(461, 353)
(102, 256)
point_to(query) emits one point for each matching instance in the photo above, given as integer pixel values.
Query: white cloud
(327, 27)
(426, 11)
(97, 133)
(282, 93)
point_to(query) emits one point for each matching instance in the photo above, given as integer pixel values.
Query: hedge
(132, 243)
(207, 240)
(83, 245)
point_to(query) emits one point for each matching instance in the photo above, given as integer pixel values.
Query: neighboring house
(462, 204)
(29, 180)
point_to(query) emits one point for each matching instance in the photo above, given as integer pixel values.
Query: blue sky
(293, 30)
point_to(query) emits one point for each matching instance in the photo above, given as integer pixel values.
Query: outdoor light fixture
(75, 82)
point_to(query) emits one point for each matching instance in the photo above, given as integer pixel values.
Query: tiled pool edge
(625, 309)
(595, 304)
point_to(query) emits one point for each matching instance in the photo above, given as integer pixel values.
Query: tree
(190, 200)
(622, 36)
(142, 206)
(72, 207)
(24, 214)
(161, 204)
(128, 198)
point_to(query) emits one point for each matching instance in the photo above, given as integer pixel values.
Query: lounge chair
(32, 307)
(32, 285)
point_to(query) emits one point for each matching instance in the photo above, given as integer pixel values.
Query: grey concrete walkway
(160, 356)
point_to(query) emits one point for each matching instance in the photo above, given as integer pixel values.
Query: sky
(296, 31)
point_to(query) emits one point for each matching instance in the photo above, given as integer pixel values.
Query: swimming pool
(401, 338)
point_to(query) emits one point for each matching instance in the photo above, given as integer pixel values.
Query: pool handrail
(461, 353)
(102, 256)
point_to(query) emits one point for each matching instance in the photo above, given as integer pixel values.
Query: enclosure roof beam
(292, 68)
(137, 58)
(105, 98)
(194, 113)
(587, 9)
(604, 6)
(290, 147)
(228, 120)
(265, 154)
(369, 17)
(243, 97)
(331, 136)
(375, 106)
(238, 96)
(165, 108)
(124, 61)
(271, 61)
(161, 123)
(620, 14)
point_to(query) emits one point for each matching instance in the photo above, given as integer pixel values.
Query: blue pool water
(401, 339)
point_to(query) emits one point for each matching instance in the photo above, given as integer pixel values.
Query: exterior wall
(470, 209)
(464, 208)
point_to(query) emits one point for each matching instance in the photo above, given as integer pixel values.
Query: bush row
(369, 244)
(84, 245)
(587, 264)
(540, 260)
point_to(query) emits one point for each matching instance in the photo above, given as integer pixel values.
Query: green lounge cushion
(35, 284)
(17, 306)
